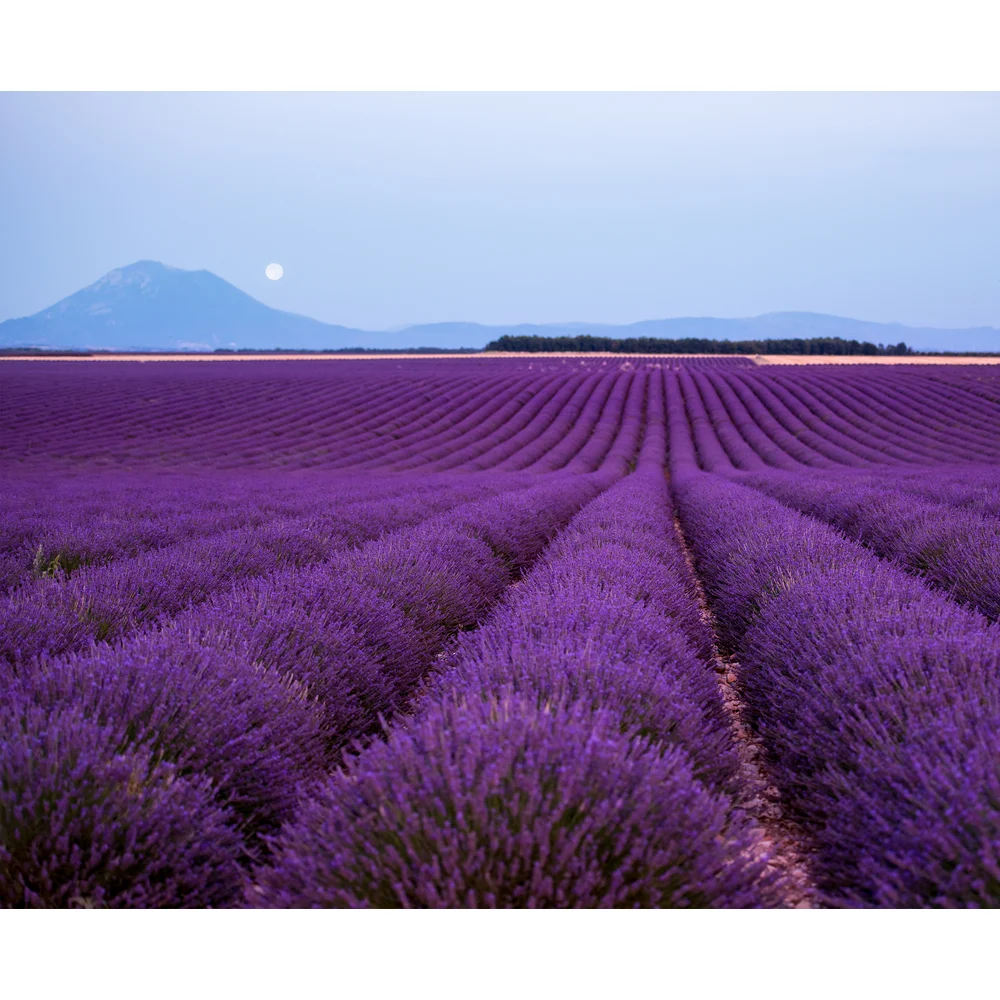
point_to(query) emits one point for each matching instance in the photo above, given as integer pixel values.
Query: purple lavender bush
(877, 700)
(956, 550)
(506, 804)
(84, 823)
(209, 713)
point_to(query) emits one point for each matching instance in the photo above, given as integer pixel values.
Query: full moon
(274, 271)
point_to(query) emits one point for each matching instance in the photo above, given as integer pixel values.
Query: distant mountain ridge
(150, 306)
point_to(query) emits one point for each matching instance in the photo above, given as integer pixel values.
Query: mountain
(150, 306)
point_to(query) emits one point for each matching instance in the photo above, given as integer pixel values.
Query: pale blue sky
(394, 209)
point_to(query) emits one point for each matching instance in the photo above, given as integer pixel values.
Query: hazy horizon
(392, 210)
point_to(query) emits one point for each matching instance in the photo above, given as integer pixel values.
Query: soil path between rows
(783, 841)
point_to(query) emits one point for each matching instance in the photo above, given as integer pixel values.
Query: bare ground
(782, 841)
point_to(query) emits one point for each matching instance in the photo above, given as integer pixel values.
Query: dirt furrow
(783, 841)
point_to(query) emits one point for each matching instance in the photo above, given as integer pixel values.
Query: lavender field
(484, 632)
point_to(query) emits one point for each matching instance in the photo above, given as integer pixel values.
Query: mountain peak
(141, 274)
(149, 305)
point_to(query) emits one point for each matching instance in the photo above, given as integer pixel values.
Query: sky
(387, 210)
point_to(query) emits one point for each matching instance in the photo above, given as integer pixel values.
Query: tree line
(694, 345)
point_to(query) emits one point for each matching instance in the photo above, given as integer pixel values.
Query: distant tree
(693, 345)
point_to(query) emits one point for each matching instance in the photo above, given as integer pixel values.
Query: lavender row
(149, 773)
(531, 421)
(579, 432)
(975, 488)
(234, 414)
(883, 412)
(42, 537)
(102, 603)
(348, 436)
(361, 630)
(557, 431)
(956, 550)
(865, 441)
(802, 425)
(307, 415)
(853, 426)
(628, 390)
(878, 700)
(920, 406)
(410, 432)
(787, 442)
(59, 615)
(297, 415)
(497, 429)
(473, 455)
(454, 426)
(574, 751)
(751, 421)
